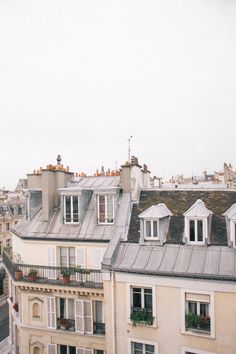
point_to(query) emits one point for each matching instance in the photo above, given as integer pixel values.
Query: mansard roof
(180, 201)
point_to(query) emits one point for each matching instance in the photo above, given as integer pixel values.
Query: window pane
(75, 210)
(155, 228)
(149, 349)
(72, 350)
(137, 348)
(136, 297)
(62, 308)
(204, 309)
(68, 209)
(192, 307)
(71, 309)
(63, 256)
(199, 230)
(63, 349)
(148, 228)
(148, 300)
(71, 256)
(110, 211)
(192, 230)
(101, 201)
(98, 308)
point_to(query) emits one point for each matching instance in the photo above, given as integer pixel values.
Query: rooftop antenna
(129, 147)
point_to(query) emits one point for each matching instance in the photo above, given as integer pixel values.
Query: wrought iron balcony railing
(98, 328)
(53, 275)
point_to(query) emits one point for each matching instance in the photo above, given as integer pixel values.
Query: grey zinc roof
(93, 182)
(211, 262)
(89, 230)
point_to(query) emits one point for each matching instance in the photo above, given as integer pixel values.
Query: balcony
(66, 324)
(197, 323)
(98, 328)
(141, 316)
(75, 277)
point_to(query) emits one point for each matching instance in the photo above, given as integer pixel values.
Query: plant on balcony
(16, 307)
(199, 322)
(18, 271)
(66, 273)
(141, 316)
(32, 274)
(63, 323)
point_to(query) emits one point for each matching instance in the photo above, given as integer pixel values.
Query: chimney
(49, 180)
(146, 176)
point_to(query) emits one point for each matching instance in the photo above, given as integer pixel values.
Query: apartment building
(175, 273)
(109, 264)
(56, 289)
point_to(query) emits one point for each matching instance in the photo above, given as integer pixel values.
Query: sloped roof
(209, 262)
(231, 212)
(198, 209)
(94, 182)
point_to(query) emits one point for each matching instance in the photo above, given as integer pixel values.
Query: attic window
(105, 205)
(154, 223)
(197, 223)
(230, 216)
(71, 209)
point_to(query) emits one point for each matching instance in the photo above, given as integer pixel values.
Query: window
(66, 349)
(105, 209)
(141, 348)
(7, 226)
(71, 209)
(99, 326)
(67, 256)
(195, 230)
(194, 351)
(1, 286)
(142, 306)
(198, 312)
(151, 229)
(66, 312)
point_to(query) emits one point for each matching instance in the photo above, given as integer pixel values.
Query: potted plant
(141, 316)
(18, 271)
(63, 323)
(15, 306)
(32, 274)
(66, 273)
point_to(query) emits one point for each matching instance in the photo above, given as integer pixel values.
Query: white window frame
(185, 350)
(67, 256)
(67, 348)
(129, 302)
(106, 222)
(71, 206)
(197, 333)
(66, 299)
(152, 228)
(233, 232)
(141, 341)
(204, 230)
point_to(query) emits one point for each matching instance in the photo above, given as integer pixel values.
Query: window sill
(198, 333)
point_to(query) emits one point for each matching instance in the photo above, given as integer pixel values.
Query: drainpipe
(113, 318)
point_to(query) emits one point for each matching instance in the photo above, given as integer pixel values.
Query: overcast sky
(77, 78)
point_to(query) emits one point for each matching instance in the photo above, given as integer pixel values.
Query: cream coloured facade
(110, 265)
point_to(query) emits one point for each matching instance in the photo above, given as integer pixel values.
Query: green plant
(33, 271)
(68, 271)
(141, 315)
(198, 321)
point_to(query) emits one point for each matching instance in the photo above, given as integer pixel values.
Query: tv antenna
(129, 147)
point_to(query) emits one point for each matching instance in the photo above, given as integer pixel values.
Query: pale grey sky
(77, 78)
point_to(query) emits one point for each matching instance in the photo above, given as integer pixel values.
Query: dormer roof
(198, 209)
(231, 212)
(156, 212)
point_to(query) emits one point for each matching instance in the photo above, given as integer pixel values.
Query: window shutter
(80, 350)
(88, 317)
(52, 262)
(88, 351)
(51, 312)
(97, 257)
(80, 262)
(79, 316)
(52, 349)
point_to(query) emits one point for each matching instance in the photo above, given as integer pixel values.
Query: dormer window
(154, 223)
(71, 209)
(230, 216)
(105, 208)
(150, 229)
(197, 223)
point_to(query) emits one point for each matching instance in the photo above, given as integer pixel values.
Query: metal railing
(66, 324)
(98, 328)
(87, 278)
